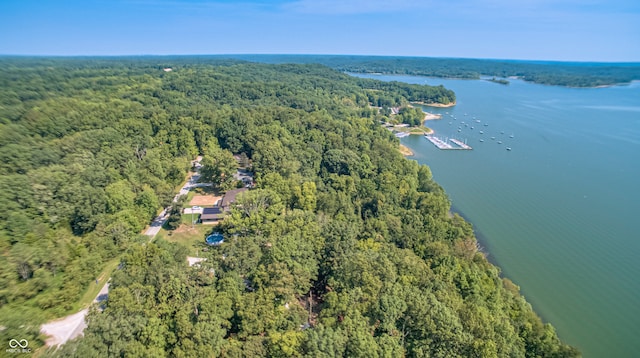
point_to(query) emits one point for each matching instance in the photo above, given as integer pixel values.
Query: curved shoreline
(429, 132)
(404, 150)
(512, 77)
(439, 105)
(431, 116)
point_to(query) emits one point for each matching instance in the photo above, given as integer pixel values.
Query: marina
(442, 144)
(461, 144)
(445, 142)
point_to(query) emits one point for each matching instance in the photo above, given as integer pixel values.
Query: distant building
(168, 69)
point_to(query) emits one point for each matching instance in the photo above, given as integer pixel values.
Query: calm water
(558, 213)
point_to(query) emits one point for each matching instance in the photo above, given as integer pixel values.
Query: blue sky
(580, 30)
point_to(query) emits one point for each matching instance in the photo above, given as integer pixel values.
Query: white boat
(508, 148)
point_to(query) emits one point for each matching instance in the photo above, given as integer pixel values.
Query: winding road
(72, 326)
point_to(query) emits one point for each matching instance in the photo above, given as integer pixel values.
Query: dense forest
(571, 74)
(344, 248)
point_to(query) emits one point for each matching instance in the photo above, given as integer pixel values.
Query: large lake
(560, 212)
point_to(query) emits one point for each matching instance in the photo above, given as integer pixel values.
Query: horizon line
(319, 55)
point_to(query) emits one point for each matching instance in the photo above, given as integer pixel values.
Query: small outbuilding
(211, 216)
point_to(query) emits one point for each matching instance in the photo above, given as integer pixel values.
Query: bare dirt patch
(202, 200)
(185, 229)
(60, 331)
(405, 150)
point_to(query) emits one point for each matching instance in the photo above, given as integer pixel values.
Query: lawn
(190, 195)
(420, 130)
(91, 292)
(414, 130)
(187, 218)
(191, 238)
(205, 190)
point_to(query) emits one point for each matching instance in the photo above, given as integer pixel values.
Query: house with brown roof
(212, 216)
(230, 197)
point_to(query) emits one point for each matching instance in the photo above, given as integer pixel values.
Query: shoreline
(431, 116)
(438, 105)
(429, 132)
(616, 84)
(485, 238)
(405, 151)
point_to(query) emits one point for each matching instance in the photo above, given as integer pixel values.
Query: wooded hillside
(344, 248)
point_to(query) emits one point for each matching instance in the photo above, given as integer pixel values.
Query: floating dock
(438, 142)
(461, 144)
(442, 144)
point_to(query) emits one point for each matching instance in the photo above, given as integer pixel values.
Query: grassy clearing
(414, 130)
(187, 218)
(205, 190)
(91, 292)
(191, 238)
(419, 130)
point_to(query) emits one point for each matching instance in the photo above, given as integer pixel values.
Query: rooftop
(211, 213)
(230, 196)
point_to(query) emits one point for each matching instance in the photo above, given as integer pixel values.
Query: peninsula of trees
(570, 74)
(343, 248)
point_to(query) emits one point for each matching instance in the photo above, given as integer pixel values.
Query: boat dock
(439, 142)
(461, 144)
(442, 144)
